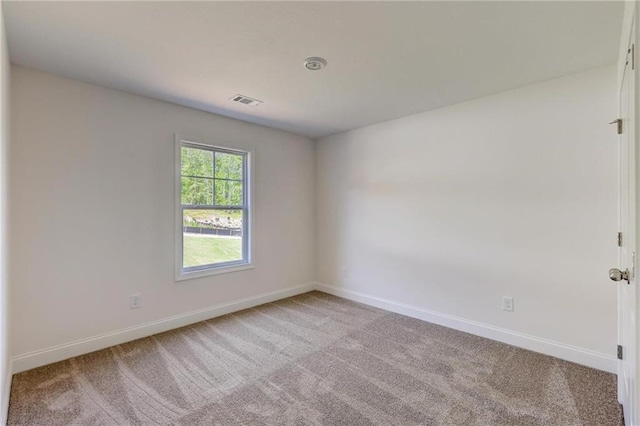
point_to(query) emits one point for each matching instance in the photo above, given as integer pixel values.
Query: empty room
(319, 213)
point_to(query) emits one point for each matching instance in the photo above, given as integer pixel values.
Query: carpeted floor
(319, 360)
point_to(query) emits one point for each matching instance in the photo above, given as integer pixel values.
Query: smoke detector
(314, 64)
(245, 100)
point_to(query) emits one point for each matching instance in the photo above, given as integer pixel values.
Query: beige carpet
(319, 360)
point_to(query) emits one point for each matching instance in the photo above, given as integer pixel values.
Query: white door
(625, 273)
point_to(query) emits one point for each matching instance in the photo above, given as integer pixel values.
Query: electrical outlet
(507, 303)
(135, 301)
(345, 273)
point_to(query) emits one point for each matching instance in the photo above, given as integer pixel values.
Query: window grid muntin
(206, 177)
(244, 207)
(215, 150)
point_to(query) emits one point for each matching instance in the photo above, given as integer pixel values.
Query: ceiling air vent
(246, 100)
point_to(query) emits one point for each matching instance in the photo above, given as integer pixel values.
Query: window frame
(182, 273)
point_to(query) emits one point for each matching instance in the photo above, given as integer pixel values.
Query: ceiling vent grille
(246, 100)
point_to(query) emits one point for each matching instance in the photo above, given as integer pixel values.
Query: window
(213, 215)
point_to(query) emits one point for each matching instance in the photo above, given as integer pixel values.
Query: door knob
(616, 274)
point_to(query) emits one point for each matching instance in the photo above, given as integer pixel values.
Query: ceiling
(385, 59)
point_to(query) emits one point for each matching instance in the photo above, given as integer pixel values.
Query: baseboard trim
(83, 346)
(548, 347)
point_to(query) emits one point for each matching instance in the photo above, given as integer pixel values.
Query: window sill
(183, 276)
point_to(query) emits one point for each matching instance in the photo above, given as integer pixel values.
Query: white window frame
(181, 273)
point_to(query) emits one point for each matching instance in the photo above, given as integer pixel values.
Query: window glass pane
(229, 166)
(228, 192)
(196, 162)
(211, 236)
(197, 191)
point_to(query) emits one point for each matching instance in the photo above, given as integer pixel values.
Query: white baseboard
(548, 347)
(79, 347)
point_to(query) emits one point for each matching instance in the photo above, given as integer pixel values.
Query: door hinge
(618, 123)
(619, 351)
(619, 239)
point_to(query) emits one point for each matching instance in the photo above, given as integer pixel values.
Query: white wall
(513, 194)
(5, 366)
(92, 210)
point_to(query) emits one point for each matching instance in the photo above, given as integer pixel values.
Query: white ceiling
(386, 59)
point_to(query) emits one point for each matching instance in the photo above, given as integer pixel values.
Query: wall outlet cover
(507, 303)
(135, 301)
(345, 273)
